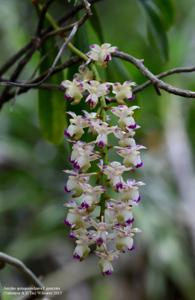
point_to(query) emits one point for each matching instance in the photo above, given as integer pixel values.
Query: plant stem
(77, 51)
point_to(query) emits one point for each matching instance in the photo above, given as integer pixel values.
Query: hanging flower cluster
(102, 196)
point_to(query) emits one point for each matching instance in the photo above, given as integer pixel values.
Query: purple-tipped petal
(133, 126)
(67, 97)
(72, 235)
(132, 98)
(76, 256)
(91, 103)
(66, 133)
(132, 248)
(66, 189)
(139, 165)
(75, 165)
(119, 186)
(67, 223)
(84, 205)
(129, 221)
(107, 58)
(137, 200)
(101, 144)
(108, 272)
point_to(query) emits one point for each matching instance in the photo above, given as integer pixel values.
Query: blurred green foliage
(51, 104)
(31, 177)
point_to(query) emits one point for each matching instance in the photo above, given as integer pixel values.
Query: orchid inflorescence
(100, 210)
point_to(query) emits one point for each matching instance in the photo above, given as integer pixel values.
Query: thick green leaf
(156, 28)
(51, 103)
(96, 24)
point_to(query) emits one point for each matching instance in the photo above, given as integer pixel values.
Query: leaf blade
(51, 105)
(96, 24)
(156, 28)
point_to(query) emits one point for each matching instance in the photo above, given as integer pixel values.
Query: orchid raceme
(100, 209)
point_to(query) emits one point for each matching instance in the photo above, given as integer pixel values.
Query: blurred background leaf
(96, 24)
(51, 103)
(158, 22)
